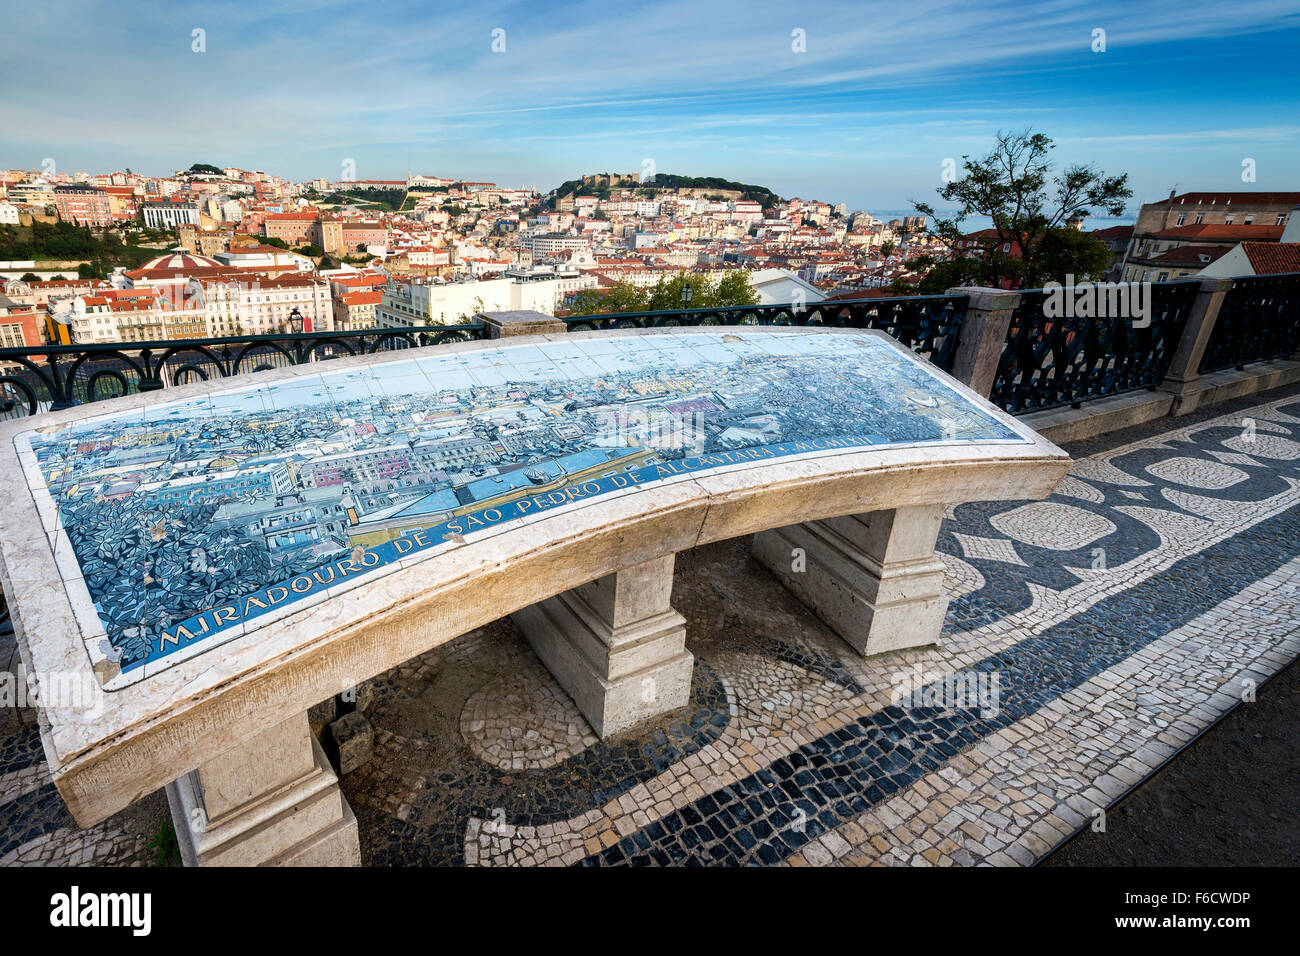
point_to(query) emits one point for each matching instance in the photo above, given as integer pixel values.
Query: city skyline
(865, 114)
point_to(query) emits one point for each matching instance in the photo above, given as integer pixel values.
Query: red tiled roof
(1241, 199)
(1191, 255)
(361, 298)
(1213, 230)
(1272, 258)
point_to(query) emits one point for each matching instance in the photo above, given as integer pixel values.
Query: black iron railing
(58, 376)
(927, 324)
(1051, 360)
(1259, 319)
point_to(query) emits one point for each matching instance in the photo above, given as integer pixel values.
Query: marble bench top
(180, 555)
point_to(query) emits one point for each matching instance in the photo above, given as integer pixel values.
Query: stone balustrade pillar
(615, 645)
(501, 325)
(1183, 379)
(983, 335)
(272, 801)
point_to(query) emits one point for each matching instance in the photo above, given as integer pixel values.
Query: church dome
(181, 260)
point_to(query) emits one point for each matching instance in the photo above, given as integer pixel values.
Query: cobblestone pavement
(1089, 637)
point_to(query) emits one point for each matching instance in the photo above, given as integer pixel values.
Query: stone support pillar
(272, 801)
(615, 645)
(873, 578)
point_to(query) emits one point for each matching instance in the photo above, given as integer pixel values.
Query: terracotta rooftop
(1272, 258)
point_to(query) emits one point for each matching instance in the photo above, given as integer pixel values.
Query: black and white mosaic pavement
(1089, 637)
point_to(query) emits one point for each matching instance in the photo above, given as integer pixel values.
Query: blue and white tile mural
(190, 520)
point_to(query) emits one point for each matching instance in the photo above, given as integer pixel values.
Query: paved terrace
(1094, 635)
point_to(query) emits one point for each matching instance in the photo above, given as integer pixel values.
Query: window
(1228, 219)
(1162, 277)
(1281, 219)
(1249, 220)
(1182, 217)
(1200, 218)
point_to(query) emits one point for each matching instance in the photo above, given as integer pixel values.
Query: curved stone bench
(579, 547)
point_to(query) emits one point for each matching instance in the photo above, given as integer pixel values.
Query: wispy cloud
(882, 92)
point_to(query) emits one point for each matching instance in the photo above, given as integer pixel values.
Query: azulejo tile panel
(189, 523)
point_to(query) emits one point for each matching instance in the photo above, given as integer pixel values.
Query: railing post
(500, 325)
(1183, 380)
(983, 335)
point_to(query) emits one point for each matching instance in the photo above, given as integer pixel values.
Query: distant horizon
(1128, 217)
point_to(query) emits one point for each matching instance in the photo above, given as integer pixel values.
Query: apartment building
(83, 205)
(258, 304)
(417, 302)
(169, 215)
(1216, 221)
(356, 311)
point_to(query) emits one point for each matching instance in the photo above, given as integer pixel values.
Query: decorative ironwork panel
(1258, 320)
(57, 376)
(1067, 360)
(927, 324)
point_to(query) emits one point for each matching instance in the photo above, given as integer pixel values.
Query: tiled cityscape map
(191, 520)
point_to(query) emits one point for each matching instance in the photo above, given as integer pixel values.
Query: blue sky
(883, 93)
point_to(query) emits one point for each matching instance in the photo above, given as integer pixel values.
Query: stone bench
(203, 565)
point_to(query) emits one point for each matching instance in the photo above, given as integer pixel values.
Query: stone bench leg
(615, 645)
(272, 801)
(873, 578)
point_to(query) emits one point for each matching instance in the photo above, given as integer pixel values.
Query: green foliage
(665, 182)
(314, 251)
(206, 168)
(707, 292)
(939, 277)
(275, 241)
(64, 240)
(1072, 252)
(757, 193)
(165, 846)
(1015, 187)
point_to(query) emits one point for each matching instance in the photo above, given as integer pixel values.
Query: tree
(707, 292)
(31, 277)
(887, 248)
(1073, 252)
(734, 288)
(939, 277)
(622, 297)
(1014, 186)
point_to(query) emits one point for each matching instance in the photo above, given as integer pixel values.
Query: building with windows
(354, 311)
(417, 302)
(83, 205)
(169, 215)
(1219, 220)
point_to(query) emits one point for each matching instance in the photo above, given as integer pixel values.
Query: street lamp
(687, 294)
(295, 321)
